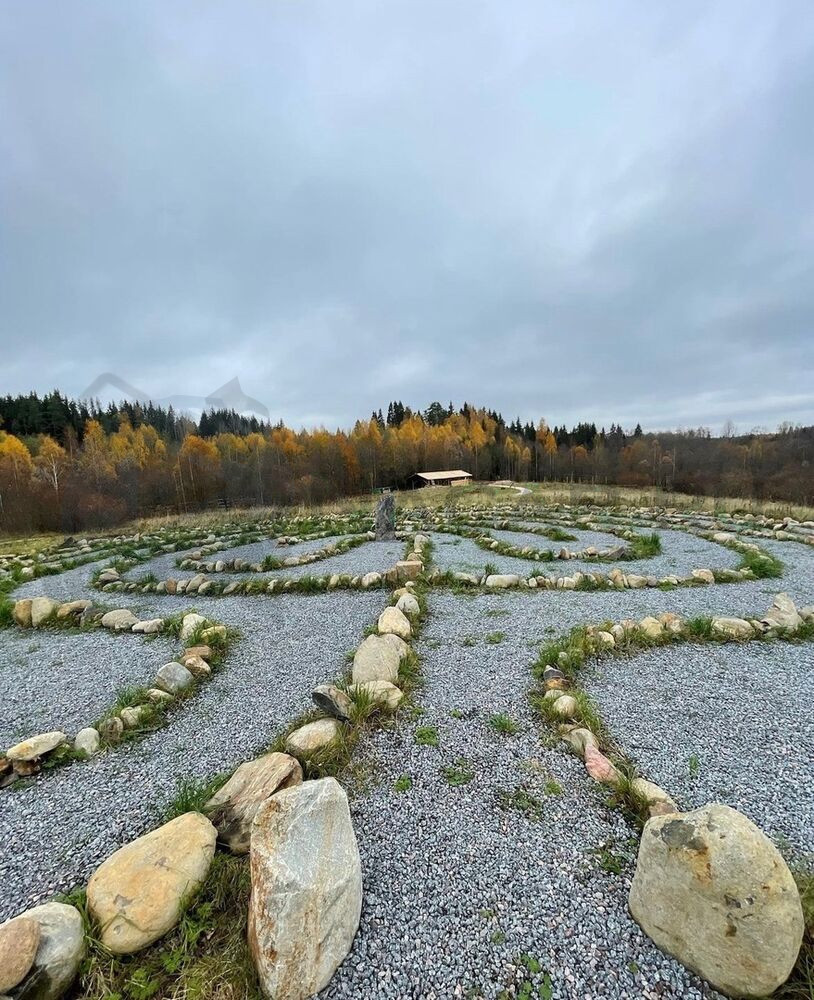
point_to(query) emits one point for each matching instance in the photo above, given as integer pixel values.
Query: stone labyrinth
(503, 751)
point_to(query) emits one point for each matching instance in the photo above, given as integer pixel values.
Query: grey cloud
(594, 212)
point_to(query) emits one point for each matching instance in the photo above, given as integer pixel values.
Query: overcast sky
(577, 210)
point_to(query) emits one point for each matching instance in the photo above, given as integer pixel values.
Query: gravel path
(681, 553)
(164, 566)
(66, 680)
(458, 882)
(56, 831)
(457, 886)
(728, 723)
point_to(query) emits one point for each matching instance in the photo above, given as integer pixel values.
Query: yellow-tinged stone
(136, 896)
(19, 939)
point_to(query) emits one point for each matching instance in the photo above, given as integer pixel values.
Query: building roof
(454, 474)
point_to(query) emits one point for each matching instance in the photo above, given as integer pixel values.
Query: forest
(68, 465)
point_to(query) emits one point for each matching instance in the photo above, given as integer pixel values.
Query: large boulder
(376, 660)
(306, 889)
(59, 954)
(137, 895)
(394, 622)
(233, 807)
(711, 889)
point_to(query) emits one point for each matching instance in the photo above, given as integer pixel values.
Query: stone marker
(712, 890)
(137, 895)
(233, 807)
(385, 518)
(306, 889)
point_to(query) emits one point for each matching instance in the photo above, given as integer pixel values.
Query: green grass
(192, 795)
(503, 723)
(763, 565)
(800, 984)
(458, 773)
(403, 783)
(426, 736)
(205, 957)
(552, 787)
(6, 613)
(493, 638)
(644, 546)
(521, 800)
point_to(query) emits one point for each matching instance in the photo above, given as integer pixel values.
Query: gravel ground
(66, 680)
(458, 887)
(75, 584)
(681, 553)
(741, 732)
(55, 831)
(165, 566)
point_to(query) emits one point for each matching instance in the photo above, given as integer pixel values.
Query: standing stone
(385, 518)
(306, 889)
(233, 807)
(59, 953)
(137, 895)
(711, 889)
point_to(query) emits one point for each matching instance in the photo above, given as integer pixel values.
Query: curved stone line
(178, 677)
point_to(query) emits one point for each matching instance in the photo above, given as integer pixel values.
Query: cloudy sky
(573, 210)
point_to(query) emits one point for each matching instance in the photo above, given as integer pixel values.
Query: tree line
(69, 465)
